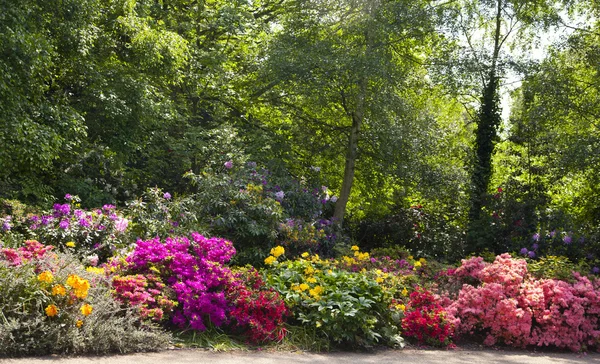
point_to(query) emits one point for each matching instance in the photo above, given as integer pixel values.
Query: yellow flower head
(86, 309)
(270, 260)
(316, 292)
(59, 290)
(354, 248)
(277, 251)
(70, 244)
(304, 287)
(309, 270)
(400, 307)
(96, 270)
(361, 256)
(51, 310)
(79, 285)
(304, 255)
(417, 264)
(405, 292)
(79, 323)
(46, 277)
(311, 280)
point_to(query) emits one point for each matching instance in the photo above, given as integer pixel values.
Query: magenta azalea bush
(185, 282)
(509, 306)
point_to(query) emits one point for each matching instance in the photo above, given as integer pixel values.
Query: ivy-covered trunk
(488, 120)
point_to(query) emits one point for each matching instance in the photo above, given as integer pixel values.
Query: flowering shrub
(184, 281)
(509, 306)
(193, 270)
(50, 304)
(93, 235)
(258, 312)
(426, 320)
(317, 237)
(346, 307)
(148, 293)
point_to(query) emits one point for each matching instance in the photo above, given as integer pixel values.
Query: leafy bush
(158, 213)
(348, 308)
(50, 304)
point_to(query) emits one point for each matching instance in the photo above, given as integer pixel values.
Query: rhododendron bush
(509, 306)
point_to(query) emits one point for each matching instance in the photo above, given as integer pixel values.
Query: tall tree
(487, 27)
(339, 73)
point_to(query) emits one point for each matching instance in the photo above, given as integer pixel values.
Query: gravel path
(189, 356)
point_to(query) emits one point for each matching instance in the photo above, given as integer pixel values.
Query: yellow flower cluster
(400, 307)
(277, 251)
(80, 286)
(316, 292)
(361, 256)
(86, 309)
(97, 270)
(304, 255)
(45, 277)
(51, 310)
(270, 260)
(59, 290)
(70, 244)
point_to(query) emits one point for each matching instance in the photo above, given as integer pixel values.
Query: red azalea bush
(509, 306)
(426, 320)
(258, 312)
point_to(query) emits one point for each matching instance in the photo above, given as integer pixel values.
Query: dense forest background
(394, 105)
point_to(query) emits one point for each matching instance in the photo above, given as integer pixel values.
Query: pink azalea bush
(509, 306)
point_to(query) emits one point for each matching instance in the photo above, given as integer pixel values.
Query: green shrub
(348, 308)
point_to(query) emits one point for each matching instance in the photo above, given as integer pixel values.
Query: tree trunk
(351, 154)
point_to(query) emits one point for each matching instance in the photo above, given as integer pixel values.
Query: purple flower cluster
(194, 271)
(98, 231)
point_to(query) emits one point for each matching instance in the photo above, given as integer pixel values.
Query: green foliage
(157, 213)
(347, 308)
(553, 267)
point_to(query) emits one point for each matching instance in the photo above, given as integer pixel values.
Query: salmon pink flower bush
(510, 306)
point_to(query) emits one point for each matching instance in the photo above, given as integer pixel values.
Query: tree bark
(351, 153)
